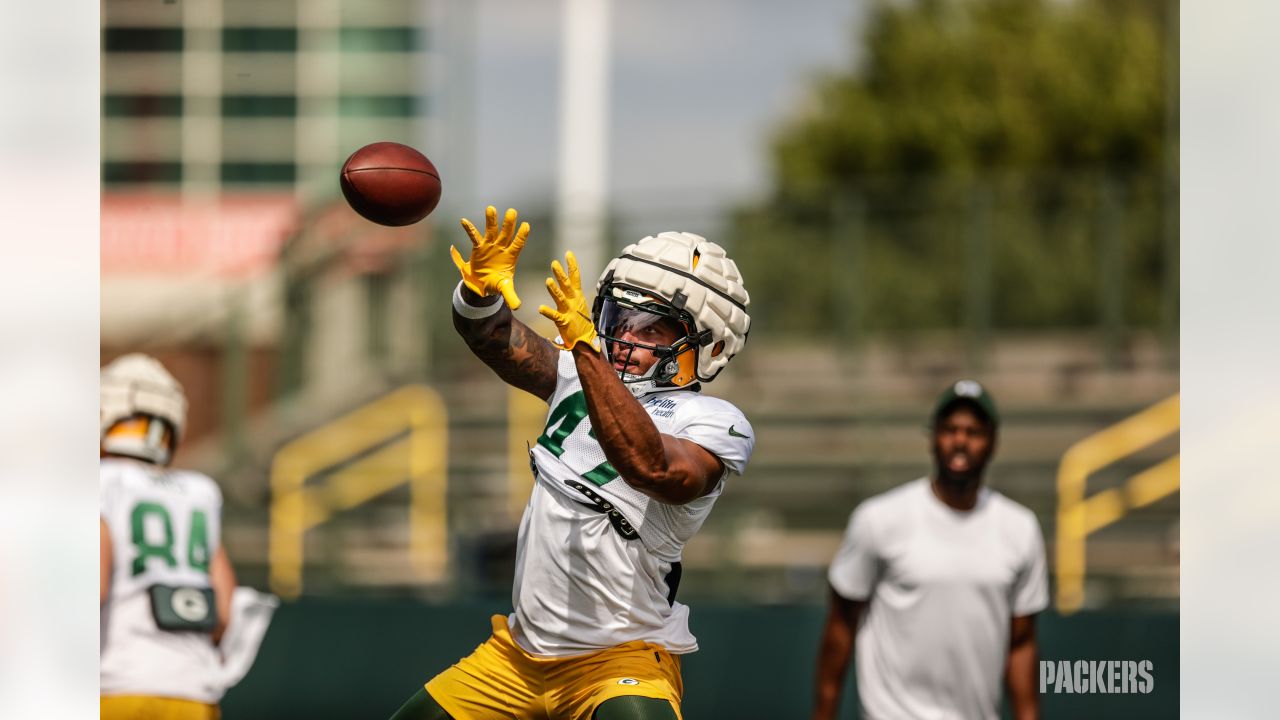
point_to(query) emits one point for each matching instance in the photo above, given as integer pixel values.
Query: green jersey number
(565, 418)
(197, 543)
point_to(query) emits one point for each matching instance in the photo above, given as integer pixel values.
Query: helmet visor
(648, 325)
(650, 343)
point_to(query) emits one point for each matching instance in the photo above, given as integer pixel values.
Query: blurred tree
(973, 136)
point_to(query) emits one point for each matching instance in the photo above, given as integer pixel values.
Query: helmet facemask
(624, 313)
(142, 437)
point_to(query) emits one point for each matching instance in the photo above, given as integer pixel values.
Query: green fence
(330, 659)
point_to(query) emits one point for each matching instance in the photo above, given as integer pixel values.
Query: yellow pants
(142, 707)
(500, 679)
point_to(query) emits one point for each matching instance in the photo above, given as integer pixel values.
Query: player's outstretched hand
(492, 266)
(571, 316)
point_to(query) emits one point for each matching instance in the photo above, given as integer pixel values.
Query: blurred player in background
(166, 582)
(632, 459)
(942, 579)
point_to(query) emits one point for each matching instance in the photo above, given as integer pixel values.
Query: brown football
(390, 184)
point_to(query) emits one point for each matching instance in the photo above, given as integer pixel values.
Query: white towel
(251, 613)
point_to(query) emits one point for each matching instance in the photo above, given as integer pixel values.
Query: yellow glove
(572, 318)
(492, 266)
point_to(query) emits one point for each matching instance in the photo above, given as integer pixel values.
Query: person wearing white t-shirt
(626, 470)
(940, 581)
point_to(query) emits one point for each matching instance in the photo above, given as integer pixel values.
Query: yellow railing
(404, 435)
(1079, 516)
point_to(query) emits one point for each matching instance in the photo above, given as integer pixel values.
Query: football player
(631, 460)
(166, 582)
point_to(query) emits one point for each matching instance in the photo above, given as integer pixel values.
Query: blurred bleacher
(834, 426)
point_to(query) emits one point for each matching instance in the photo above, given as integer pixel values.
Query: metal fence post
(978, 277)
(1111, 271)
(235, 380)
(848, 266)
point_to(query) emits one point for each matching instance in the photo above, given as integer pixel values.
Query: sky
(695, 89)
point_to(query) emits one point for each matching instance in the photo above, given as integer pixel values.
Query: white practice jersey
(598, 562)
(165, 526)
(943, 586)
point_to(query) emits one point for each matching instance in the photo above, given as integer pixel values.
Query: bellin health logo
(1096, 676)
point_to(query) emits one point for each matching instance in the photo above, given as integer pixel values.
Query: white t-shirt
(165, 527)
(597, 561)
(943, 586)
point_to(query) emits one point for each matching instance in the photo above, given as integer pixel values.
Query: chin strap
(653, 381)
(643, 388)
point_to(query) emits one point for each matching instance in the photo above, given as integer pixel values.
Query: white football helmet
(673, 277)
(136, 385)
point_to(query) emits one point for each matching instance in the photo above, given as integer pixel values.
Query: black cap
(970, 391)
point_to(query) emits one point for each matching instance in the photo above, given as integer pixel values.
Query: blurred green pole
(848, 262)
(235, 381)
(1170, 312)
(1111, 268)
(377, 287)
(436, 280)
(1172, 259)
(296, 328)
(428, 300)
(978, 277)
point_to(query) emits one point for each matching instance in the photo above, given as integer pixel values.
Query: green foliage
(973, 166)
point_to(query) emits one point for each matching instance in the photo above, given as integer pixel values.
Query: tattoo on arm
(519, 356)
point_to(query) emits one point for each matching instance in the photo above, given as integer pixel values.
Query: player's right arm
(483, 302)
(833, 653)
(852, 577)
(223, 579)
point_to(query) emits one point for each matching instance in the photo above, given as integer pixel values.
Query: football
(390, 184)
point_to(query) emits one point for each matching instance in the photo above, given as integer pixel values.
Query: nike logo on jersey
(735, 433)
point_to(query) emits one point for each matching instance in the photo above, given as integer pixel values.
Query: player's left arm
(1020, 668)
(223, 579)
(671, 469)
(104, 557)
(1030, 595)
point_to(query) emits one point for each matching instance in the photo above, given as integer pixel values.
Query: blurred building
(244, 95)
(224, 124)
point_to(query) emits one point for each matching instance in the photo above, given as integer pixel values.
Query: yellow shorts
(500, 679)
(143, 707)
